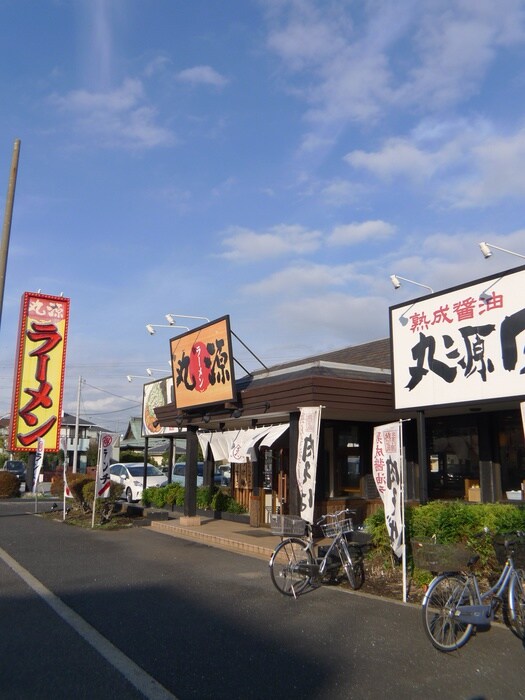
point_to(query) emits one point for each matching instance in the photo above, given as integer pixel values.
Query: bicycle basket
(287, 524)
(517, 549)
(435, 557)
(337, 527)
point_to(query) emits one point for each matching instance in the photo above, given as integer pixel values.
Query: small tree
(9, 485)
(92, 453)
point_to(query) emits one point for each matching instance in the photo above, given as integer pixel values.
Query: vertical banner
(306, 468)
(388, 475)
(39, 372)
(522, 406)
(39, 460)
(105, 454)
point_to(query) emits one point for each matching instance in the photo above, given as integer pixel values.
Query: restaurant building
(452, 370)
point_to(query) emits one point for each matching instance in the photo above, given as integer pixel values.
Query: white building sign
(461, 346)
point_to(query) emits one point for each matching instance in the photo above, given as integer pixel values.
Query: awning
(237, 446)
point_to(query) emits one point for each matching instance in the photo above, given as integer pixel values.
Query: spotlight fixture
(150, 370)
(487, 253)
(237, 413)
(170, 318)
(395, 281)
(130, 377)
(150, 327)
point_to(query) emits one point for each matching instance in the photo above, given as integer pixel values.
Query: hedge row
(453, 522)
(208, 498)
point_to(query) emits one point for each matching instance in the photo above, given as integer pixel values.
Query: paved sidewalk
(225, 534)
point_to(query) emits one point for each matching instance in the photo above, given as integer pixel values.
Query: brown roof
(375, 353)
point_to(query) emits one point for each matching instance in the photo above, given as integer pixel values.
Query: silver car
(131, 477)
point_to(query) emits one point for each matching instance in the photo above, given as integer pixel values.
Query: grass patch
(78, 518)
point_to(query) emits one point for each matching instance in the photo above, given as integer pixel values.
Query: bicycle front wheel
(291, 566)
(353, 566)
(517, 603)
(444, 629)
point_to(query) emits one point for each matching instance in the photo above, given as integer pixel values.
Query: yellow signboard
(39, 372)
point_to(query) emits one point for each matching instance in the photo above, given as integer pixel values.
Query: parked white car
(178, 475)
(131, 476)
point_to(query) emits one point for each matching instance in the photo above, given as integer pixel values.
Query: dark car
(16, 467)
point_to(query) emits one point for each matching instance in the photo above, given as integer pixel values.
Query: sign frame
(194, 383)
(39, 372)
(460, 346)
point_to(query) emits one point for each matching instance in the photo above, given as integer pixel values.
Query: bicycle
(294, 566)
(453, 606)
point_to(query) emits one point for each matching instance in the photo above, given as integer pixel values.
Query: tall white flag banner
(105, 453)
(522, 406)
(306, 468)
(388, 475)
(39, 460)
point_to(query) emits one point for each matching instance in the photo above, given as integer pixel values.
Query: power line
(104, 391)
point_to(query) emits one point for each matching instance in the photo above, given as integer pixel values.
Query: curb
(253, 550)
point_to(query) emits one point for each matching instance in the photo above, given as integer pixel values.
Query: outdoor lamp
(486, 250)
(130, 377)
(170, 318)
(395, 281)
(150, 327)
(150, 370)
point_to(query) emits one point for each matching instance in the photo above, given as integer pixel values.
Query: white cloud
(341, 192)
(297, 279)
(401, 156)
(455, 47)
(117, 119)
(498, 173)
(202, 75)
(468, 164)
(280, 240)
(350, 234)
(350, 64)
(345, 319)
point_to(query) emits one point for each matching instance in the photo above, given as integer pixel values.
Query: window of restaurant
(511, 449)
(454, 455)
(342, 459)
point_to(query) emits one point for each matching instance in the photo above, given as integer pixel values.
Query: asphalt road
(135, 613)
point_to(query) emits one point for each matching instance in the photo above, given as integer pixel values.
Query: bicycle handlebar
(334, 516)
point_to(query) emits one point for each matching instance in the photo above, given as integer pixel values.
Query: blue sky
(274, 160)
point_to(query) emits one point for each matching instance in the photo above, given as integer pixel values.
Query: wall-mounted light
(395, 281)
(150, 370)
(237, 413)
(170, 318)
(130, 377)
(486, 250)
(150, 327)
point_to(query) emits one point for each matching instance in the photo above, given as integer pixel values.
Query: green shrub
(205, 496)
(452, 522)
(88, 494)
(223, 502)
(76, 483)
(174, 494)
(208, 498)
(9, 485)
(154, 496)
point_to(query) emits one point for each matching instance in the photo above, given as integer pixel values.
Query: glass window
(348, 468)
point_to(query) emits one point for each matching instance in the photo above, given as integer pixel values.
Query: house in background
(87, 431)
(133, 440)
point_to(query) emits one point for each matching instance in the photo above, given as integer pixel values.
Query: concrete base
(190, 520)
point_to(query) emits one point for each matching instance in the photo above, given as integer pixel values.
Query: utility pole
(75, 446)
(8, 217)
